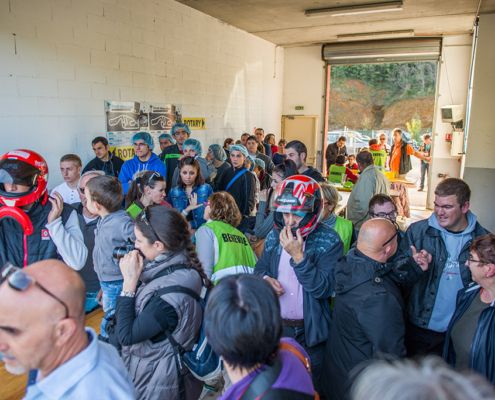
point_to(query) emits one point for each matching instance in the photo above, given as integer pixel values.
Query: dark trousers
(424, 169)
(420, 341)
(315, 353)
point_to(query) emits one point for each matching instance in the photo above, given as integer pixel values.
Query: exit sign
(299, 108)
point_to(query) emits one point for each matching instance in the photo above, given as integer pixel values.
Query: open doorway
(367, 101)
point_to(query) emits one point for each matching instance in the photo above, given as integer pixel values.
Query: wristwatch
(124, 293)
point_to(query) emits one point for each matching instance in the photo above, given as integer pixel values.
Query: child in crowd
(351, 162)
(104, 197)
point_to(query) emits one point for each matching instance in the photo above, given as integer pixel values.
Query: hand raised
(422, 258)
(57, 206)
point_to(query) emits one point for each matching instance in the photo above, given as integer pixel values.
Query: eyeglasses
(392, 238)
(20, 281)
(139, 144)
(391, 215)
(471, 260)
(145, 218)
(382, 139)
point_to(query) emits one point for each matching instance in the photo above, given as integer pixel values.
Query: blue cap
(167, 136)
(144, 136)
(218, 152)
(178, 126)
(241, 148)
(193, 144)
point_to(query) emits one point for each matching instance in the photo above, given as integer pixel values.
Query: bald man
(368, 310)
(42, 330)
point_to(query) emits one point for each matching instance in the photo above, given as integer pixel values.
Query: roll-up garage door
(378, 51)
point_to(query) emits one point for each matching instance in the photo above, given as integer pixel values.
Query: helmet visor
(15, 172)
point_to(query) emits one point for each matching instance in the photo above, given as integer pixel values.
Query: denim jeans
(316, 353)
(110, 291)
(424, 169)
(91, 302)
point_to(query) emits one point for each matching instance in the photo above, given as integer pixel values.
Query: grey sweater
(111, 231)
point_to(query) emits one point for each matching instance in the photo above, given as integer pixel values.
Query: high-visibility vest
(344, 228)
(336, 173)
(235, 255)
(379, 158)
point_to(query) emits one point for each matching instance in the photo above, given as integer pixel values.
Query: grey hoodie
(111, 231)
(450, 281)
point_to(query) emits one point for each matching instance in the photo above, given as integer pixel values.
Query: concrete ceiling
(283, 21)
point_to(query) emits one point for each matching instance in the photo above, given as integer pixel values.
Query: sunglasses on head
(144, 217)
(20, 281)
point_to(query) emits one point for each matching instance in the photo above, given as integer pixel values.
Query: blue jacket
(315, 273)
(482, 354)
(425, 285)
(134, 165)
(179, 200)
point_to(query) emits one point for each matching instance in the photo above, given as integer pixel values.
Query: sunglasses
(392, 238)
(154, 175)
(20, 281)
(144, 217)
(81, 189)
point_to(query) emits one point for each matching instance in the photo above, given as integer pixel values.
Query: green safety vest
(336, 172)
(379, 158)
(235, 255)
(344, 228)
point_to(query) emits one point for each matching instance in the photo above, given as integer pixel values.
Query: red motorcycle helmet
(26, 168)
(298, 194)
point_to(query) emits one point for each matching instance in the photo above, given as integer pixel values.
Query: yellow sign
(195, 123)
(124, 152)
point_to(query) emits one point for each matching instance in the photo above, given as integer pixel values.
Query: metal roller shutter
(378, 51)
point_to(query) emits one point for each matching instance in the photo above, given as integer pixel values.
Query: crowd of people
(244, 245)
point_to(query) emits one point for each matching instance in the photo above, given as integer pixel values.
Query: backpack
(201, 361)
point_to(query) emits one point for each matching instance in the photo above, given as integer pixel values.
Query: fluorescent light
(384, 55)
(375, 35)
(367, 8)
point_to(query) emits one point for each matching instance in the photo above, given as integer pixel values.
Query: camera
(120, 251)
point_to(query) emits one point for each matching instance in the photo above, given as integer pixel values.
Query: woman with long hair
(191, 192)
(222, 249)
(147, 188)
(270, 139)
(150, 310)
(470, 339)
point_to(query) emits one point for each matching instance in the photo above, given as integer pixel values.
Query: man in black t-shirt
(104, 160)
(297, 151)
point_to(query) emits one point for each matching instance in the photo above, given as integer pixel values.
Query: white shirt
(69, 195)
(97, 372)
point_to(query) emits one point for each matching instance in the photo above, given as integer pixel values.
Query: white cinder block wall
(60, 59)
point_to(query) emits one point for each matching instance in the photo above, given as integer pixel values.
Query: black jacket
(425, 284)
(314, 273)
(367, 320)
(332, 152)
(405, 160)
(482, 355)
(40, 246)
(314, 173)
(243, 190)
(111, 167)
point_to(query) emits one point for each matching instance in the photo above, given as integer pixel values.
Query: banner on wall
(124, 119)
(195, 123)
